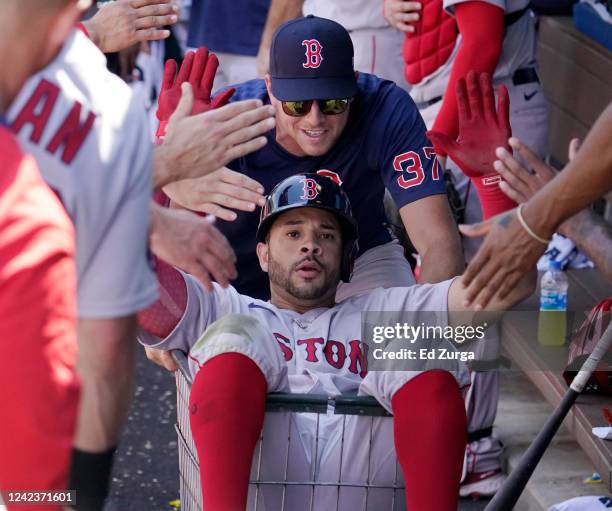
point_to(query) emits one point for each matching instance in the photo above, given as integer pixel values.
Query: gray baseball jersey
(320, 351)
(92, 145)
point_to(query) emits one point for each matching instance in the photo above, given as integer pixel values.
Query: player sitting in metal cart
(242, 348)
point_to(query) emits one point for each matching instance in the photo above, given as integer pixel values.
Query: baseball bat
(511, 490)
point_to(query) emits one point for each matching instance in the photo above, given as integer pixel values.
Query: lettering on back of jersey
(71, 133)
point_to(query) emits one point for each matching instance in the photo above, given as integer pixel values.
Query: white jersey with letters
(91, 142)
(318, 352)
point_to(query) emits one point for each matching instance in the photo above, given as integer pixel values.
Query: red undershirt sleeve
(481, 26)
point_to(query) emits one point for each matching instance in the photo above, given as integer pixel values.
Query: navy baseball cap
(312, 58)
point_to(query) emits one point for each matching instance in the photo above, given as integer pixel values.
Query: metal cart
(282, 493)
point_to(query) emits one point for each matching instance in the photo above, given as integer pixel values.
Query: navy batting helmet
(313, 191)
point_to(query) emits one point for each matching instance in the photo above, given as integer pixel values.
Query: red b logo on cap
(313, 53)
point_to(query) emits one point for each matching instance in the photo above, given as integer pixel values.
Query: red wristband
(492, 200)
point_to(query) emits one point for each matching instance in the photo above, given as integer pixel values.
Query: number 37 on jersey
(411, 167)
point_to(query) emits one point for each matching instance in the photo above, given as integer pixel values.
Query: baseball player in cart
(241, 348)
(302, 340)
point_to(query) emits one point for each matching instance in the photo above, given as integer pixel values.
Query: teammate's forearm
(583, 180)
(442, 261)
(481, 26)
(279, 12)
(593, 235)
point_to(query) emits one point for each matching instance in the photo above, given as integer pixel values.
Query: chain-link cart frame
(367, 407)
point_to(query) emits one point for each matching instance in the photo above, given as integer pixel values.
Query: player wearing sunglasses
(361, 131)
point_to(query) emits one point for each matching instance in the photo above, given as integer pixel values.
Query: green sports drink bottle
(552, 322)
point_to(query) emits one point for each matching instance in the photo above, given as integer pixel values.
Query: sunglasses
(327, 106)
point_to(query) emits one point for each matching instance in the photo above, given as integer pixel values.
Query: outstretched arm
(461, 314)
(509, 250)
(591, 233)
(583, 180)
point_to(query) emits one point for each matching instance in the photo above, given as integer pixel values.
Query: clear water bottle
(552, 322)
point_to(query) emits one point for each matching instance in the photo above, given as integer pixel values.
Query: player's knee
(437, 389)
(231, 331)
(239, 333)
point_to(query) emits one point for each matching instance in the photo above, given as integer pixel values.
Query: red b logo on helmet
(313, 53)
(310, 189)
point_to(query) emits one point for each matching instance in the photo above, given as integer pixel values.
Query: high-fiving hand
(482, 129)
(198, 69)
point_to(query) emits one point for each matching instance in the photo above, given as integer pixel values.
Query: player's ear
(268, 84)
(262, 255)
(63, 22)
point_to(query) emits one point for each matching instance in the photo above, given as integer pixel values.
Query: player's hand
(193, 244)
(507, 253)
(522, 181)
(402, 14)
(123, 23)
(482, 128)
(196, 145)
(218, 194)
(162, 358)
(199, 69)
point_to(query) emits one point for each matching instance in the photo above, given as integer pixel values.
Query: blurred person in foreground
(40, 388)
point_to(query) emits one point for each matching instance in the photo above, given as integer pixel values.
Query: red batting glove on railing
(482, 129)
(199, 69)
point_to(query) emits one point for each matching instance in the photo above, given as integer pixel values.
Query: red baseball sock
(227, 405)
(430, 427)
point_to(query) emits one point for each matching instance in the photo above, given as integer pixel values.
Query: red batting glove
(482, 129)
(199, 69)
